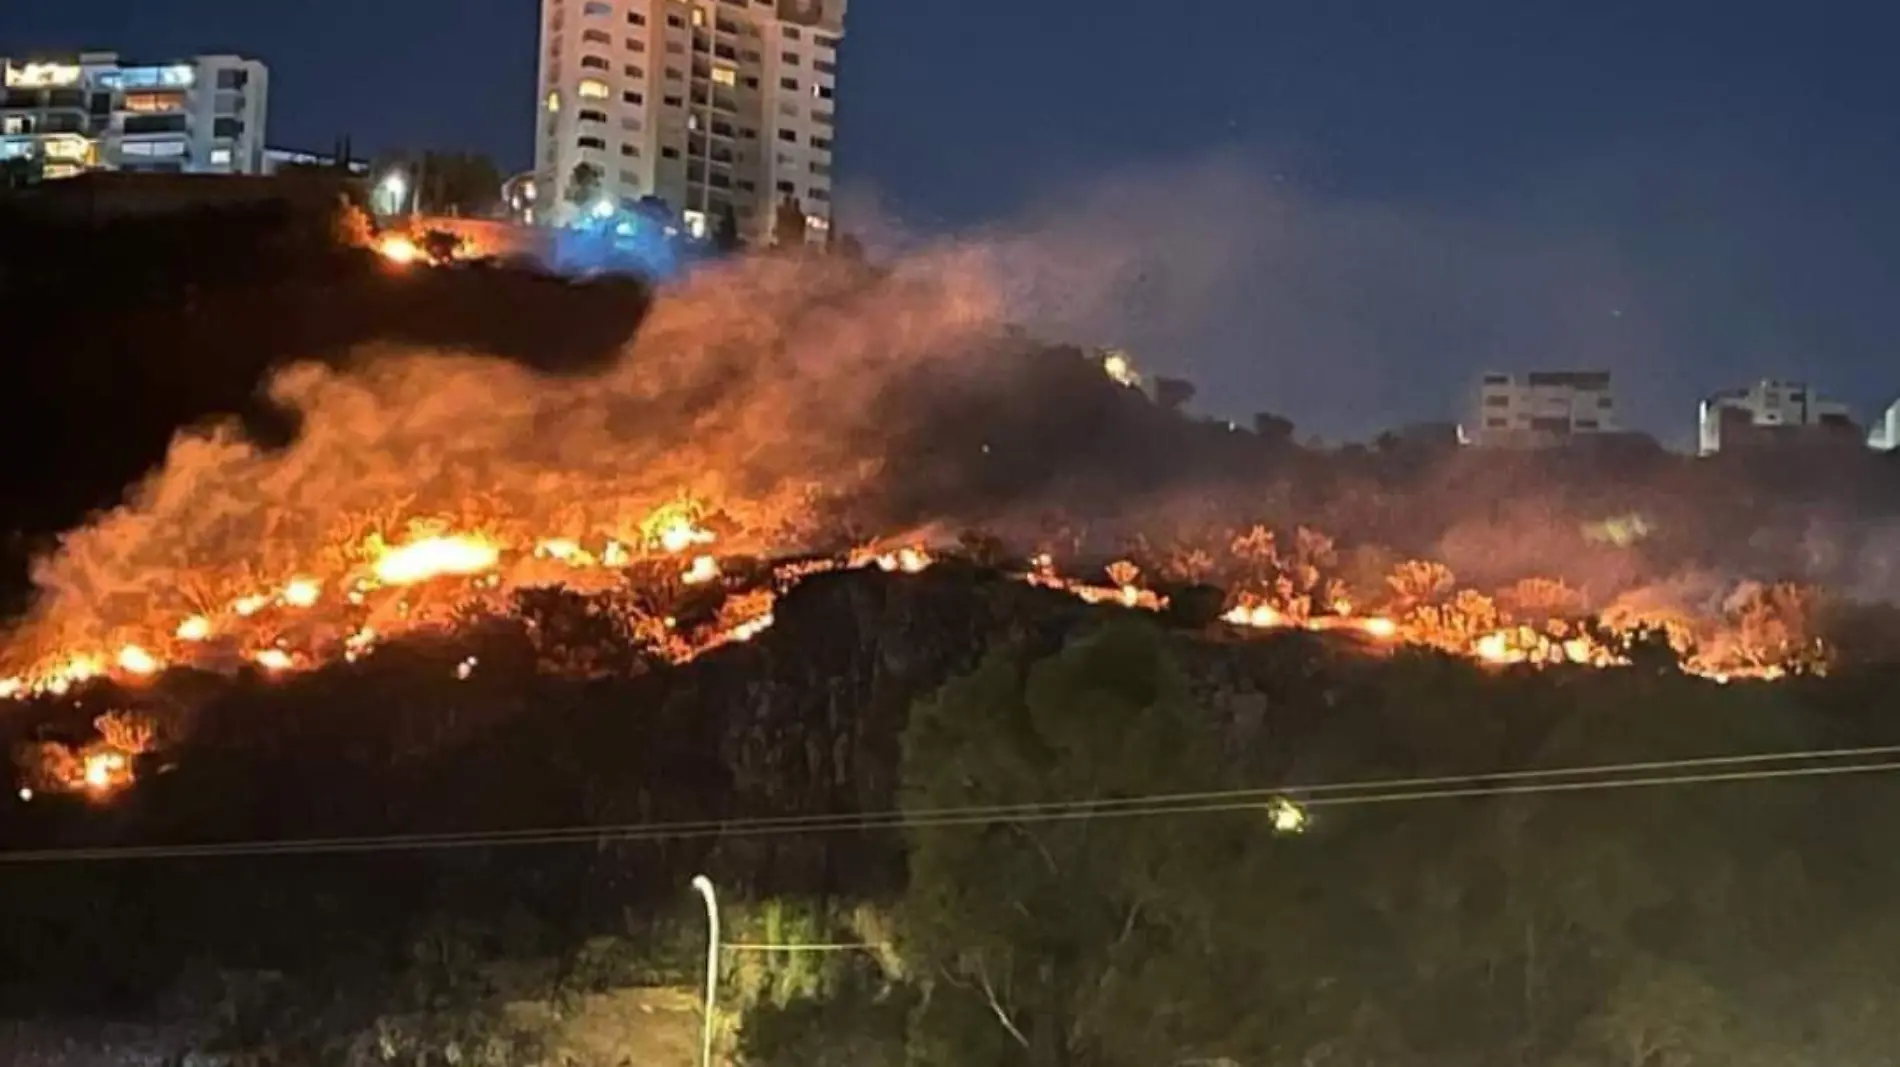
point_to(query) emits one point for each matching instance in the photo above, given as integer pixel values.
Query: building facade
(1885, 435)
(1541, 408)
(702, 106)
(1766, 411)
(203, 115)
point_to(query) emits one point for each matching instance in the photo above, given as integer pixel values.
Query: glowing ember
(302, 592)
(245, 607)
(273, 659)
(703, 570)
(135, 660)
(1381, 628)
(1258, 616)
(751, 628)
(26, 795)
(465, 668)
(434, 557)
(196, 628)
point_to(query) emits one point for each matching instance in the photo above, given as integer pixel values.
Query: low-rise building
(68, 115)
(1769, 412)
(1541, 408)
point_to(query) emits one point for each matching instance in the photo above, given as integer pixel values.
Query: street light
(705, 887)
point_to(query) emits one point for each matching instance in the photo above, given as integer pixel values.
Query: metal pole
(705, 887)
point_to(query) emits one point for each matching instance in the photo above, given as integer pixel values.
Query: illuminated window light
(722, 76)
(591, 89)
(554, 100)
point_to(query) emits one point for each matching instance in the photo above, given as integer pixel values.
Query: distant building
(66, 116)
(1769, 412)
(276, 159)
(1541, 408)
(704, 108)
(1886, 431)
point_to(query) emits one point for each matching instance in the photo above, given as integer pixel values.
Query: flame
(398, 249)
(703, 570)
(273, 659)
(135, 660)
(195, 628)
(302, 592)
(434, 557)
(245, 607)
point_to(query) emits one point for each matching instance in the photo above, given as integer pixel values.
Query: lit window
(593, 89)
(220, 157)
(722, 76)
(554, 101)
(699, 17)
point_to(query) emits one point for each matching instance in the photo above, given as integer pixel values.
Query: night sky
(1336, 209)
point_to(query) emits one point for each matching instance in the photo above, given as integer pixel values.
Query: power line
(1324, 794)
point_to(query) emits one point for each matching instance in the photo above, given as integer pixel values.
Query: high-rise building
(1541, 408)
(702, 106)
(67, 115)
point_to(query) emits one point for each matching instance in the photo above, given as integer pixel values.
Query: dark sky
(1338, 209)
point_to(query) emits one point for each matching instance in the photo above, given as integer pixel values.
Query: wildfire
(440, 572)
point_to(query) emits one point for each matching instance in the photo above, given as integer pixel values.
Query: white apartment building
(1886, 432)
(1541, 408)
(704, 105)
(1765, 405)
(202, 115)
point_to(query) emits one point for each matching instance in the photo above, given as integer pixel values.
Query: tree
(1272, 428)
(1173, 394)
(583, 184)
(788, 224)
(1089, 941)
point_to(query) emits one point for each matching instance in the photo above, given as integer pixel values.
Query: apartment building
(699, 106)
(1541, 408)
(95, 111)
(1769, 410)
